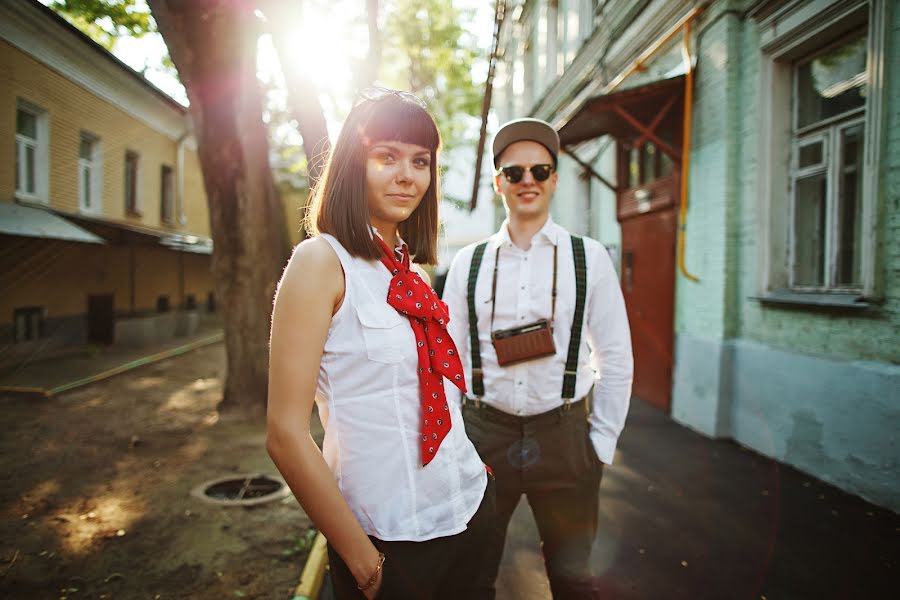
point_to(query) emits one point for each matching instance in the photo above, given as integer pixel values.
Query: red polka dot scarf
(438, 357)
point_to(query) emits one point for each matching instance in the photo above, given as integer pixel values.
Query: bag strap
(578, 257)
(477, 375)
(494, 287)
(568, 387)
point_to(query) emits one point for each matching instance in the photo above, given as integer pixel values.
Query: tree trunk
(302, 92)
(373, 59)
(304, 104)
(213, 46)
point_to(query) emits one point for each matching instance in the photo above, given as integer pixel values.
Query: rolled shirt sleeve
(611, 359)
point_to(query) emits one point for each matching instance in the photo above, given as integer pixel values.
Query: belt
(554, 414)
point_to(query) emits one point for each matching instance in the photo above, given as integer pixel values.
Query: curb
(313, 572)
(145, 360)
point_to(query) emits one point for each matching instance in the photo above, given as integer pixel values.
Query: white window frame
(91, 168)
(829, 137)
(137, 210)
(40, 146)
(794, 30)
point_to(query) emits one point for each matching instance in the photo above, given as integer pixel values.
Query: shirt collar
(400, 243)
(548, 234)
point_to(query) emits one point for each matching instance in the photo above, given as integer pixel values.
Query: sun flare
(318, 49)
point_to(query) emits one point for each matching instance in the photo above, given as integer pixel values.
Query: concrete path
(683, 516)
(81, 362)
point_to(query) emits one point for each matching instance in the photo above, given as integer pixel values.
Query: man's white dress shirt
(524, 285)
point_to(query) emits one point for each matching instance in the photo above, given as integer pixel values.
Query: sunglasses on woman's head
(515, 173)
(376, 93)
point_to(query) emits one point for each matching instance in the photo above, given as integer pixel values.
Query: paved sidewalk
(683, 516)
(82, 362)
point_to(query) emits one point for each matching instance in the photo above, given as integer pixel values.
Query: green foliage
(105, 21)
(300, 544)
(428, 52)
(426, 49)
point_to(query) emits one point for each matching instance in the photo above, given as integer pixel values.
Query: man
(547, 399)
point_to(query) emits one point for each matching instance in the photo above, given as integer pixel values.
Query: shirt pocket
(383, 332)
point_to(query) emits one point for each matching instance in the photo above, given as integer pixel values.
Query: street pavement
(684, 516)
(681, 516)
(54, 369)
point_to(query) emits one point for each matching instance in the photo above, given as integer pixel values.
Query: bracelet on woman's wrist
(371, 581)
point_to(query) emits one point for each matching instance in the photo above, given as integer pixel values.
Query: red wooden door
(648, 216)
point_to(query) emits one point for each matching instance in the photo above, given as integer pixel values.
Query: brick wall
(72, 109)
(723, 227)
(60, 275)
(703, 308)
(837, 334)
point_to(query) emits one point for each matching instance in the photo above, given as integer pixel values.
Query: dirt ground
(95, 493)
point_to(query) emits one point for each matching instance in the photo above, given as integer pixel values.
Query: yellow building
(104, 229)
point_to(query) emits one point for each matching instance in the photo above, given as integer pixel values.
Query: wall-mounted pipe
(683, 25)
(638, 63)
(685, 149)
(179, 176)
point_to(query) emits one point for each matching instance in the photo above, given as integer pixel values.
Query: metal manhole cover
(242, 490)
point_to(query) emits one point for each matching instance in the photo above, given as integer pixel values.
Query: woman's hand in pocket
(373, 591)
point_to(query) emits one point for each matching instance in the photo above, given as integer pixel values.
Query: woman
(398, 490)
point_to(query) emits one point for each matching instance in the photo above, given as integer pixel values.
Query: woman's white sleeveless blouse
(368, 400)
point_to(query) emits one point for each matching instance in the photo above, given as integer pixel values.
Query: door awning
(624, 113)
(16, 219)
(116, 232)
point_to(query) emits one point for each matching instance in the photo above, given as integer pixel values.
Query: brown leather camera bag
(526, 342)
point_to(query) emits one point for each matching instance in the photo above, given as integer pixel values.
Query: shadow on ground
(95, 492)
(684, 516)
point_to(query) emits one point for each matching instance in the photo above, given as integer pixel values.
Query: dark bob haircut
(340, 201)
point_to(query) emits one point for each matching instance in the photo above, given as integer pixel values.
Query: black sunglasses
(515, 173)
(376, 93)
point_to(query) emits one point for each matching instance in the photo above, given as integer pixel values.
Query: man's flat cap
(521, 130)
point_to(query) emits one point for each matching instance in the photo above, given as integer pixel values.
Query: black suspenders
(568, 387)
(477, 375)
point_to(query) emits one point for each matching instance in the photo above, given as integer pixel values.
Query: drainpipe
(685, 148)
(683, 25)
(179, 176)
(653, 49)
(131, 276)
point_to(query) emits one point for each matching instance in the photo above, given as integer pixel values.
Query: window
(26, 152)
(830, 90)
(29, 323)
(89, 174)
(31, 152)
(163, 304)
(167, 195)
(823, 67)
(132, 185)
(647, 163)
